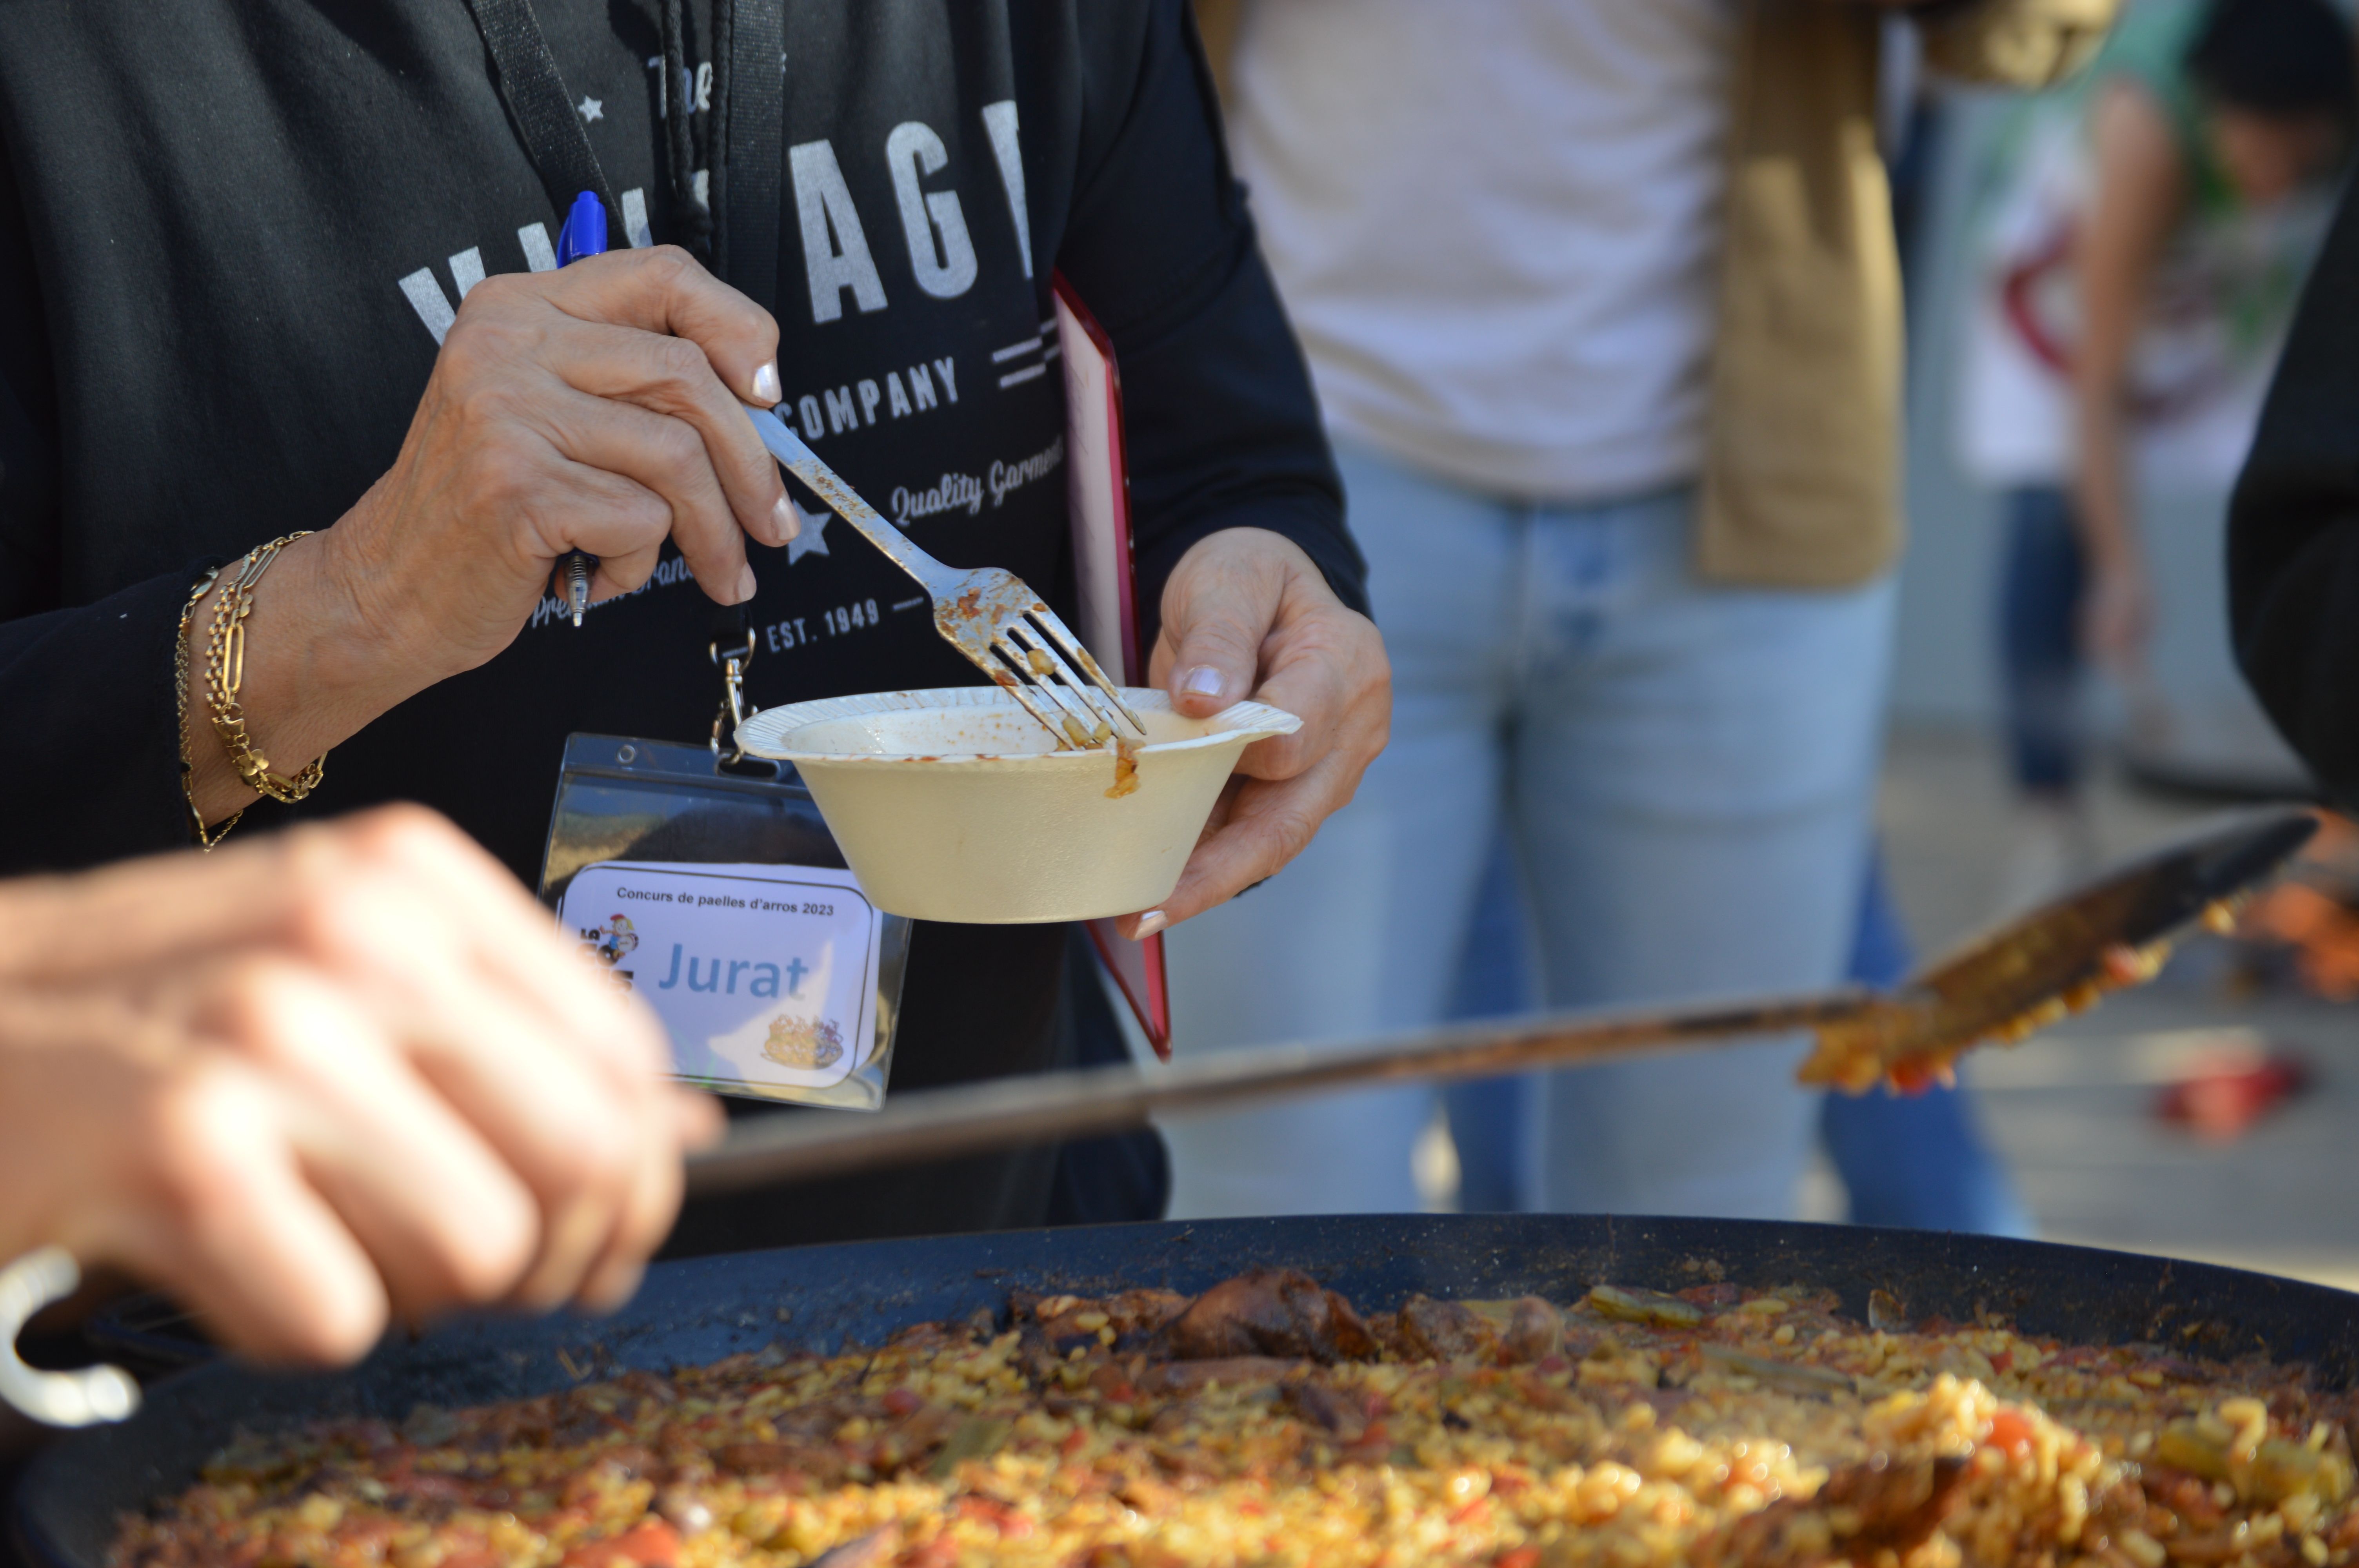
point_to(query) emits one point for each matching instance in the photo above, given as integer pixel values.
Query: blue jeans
(1685, 770)
(1918, 1162)
(2040, 585)
(1494, 979)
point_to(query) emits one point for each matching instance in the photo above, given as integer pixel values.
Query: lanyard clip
(734, 708)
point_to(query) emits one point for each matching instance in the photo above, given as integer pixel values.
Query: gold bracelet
(180, 707)
(225, 673)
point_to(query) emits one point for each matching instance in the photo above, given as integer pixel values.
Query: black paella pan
(821, 1297)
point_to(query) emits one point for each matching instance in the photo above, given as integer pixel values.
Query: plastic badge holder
(663, 861)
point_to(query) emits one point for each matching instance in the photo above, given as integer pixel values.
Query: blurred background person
(1918, 1161)
(1603, 308)
(2143, 239)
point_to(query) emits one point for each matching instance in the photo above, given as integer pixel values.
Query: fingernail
(784, 522)
(765, 385)
(1203, 681)
(745, 583)
(1153, 921)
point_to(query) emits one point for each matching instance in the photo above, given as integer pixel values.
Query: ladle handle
(969, 1118)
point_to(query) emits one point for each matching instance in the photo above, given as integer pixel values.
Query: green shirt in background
(2150, 47)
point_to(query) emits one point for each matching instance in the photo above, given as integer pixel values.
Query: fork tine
(1025, 693)
(1056, 629)
(1057, 698)
(1073, 690)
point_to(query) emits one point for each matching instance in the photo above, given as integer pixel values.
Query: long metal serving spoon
(2025, 973)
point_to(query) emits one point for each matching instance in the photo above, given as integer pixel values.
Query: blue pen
(584, 234)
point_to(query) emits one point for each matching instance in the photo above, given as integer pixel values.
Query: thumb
(1217, 647)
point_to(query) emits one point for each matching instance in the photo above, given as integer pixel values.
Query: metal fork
(1008, 631)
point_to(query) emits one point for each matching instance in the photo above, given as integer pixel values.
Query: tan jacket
(1801, 476)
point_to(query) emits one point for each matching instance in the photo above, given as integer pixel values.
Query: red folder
(1097, 488)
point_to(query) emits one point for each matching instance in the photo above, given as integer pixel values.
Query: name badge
(765, 977)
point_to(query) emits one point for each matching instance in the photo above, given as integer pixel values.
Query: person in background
(2145, 236)
(335, 1078)
(1601, 304)
(1918, 1160)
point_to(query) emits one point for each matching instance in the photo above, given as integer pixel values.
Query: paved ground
(2071, 1108)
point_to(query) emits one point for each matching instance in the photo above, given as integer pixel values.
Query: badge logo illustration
(806, 1043)
(614, 941)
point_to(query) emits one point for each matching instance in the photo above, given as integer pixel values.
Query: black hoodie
(232, 232)
(2293, 526)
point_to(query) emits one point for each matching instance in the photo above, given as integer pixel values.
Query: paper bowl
(952, 804)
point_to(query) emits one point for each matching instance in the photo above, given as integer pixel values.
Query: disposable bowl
(954, 805)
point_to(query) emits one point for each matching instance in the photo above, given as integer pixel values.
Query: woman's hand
(1246, 614)
(341, 1076)
(596, 407)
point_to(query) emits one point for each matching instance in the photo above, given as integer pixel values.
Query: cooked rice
(1617, 1431)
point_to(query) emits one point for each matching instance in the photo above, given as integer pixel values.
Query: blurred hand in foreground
(1247, 615)
(325, 1080)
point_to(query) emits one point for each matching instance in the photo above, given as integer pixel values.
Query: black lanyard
(749, 92)
(749, 135)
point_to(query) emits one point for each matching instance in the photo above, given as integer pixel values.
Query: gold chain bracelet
(180, 705)
(225, 673)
